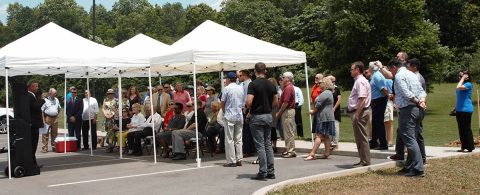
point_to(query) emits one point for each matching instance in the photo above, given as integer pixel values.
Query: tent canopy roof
(52, 49)
(213, 47)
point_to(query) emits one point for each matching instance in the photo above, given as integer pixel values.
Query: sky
(107, 3)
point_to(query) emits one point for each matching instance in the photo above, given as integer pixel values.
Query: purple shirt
(361, 88)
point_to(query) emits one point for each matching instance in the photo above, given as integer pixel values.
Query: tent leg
(221, 80)
(8, 125)
(309, 106)
(199, 160)
(120, 113)
(89, 114)
(152, 113)
(65, 125)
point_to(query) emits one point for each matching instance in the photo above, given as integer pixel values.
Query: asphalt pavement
(80, 173)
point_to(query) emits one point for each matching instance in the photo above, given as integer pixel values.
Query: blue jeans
(260, 126)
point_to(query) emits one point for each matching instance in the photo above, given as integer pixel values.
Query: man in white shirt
(298, 110)
(147, 129)
(50, 110)
(89, 114)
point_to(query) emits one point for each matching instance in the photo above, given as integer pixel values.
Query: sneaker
(230, 165)
(239, 163)
(395, 157)
(44, 151)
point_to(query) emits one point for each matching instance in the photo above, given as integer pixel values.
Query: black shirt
(337, 112)
(202, 120)
(177, 122)
(263, 91)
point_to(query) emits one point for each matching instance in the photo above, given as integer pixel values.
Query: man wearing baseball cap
(232, 105)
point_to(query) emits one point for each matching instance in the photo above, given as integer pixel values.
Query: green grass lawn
(439, 179)
(439, 127)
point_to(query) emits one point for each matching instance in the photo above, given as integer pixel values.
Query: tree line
(443, 34)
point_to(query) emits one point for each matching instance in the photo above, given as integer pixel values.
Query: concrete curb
(323, 176)
(346, 172)
(373, 153)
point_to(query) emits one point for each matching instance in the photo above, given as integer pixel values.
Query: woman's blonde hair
(138, 106)
(326, 84)
(216, 105)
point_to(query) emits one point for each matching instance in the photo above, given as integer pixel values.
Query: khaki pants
(53, 130)
(289, 129)
(361, 137)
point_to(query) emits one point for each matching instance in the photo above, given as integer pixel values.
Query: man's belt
(354, 110)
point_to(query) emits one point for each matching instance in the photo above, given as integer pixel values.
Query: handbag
(453, 112)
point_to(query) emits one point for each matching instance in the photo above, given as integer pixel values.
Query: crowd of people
(247, 117)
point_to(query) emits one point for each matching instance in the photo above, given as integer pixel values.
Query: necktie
(159, 101)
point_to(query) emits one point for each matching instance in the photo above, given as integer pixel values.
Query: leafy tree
(260, 19)
(66, 13)
(20, 20)
(197, 14)
(173, 20)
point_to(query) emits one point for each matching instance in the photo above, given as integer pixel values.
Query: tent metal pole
(221, 80)
(89, 114)
(309, 106)
(199, 161)
(65, 125)
(8, 125)
(152, 113)
(120, 110)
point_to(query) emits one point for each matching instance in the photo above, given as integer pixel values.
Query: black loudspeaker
(21, 155)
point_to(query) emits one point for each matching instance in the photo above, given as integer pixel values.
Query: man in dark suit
(74, 116)
(36, 119)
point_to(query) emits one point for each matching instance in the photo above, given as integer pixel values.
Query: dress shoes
(230, 165)
(359, 164)
(415, 174)
(270, 176)
(180, 157)
(380, 148)
(259, 177)
(395, 157)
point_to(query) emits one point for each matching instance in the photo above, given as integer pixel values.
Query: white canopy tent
(52, 50)
(212, 47)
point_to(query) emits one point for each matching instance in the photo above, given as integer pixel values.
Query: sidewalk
(350, 149)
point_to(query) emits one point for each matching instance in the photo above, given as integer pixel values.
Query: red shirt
(168, 117)
(316, 90)
(182, 97)
(288, 96)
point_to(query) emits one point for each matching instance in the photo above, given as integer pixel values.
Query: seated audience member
(135, 125)
(180, 136)
(177, 122)
(214, 128)
(169, 114)
(135, 138)
(115, 137)
(188, 112)
(202, 96)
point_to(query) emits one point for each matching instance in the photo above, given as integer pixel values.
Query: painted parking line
(128, 176)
